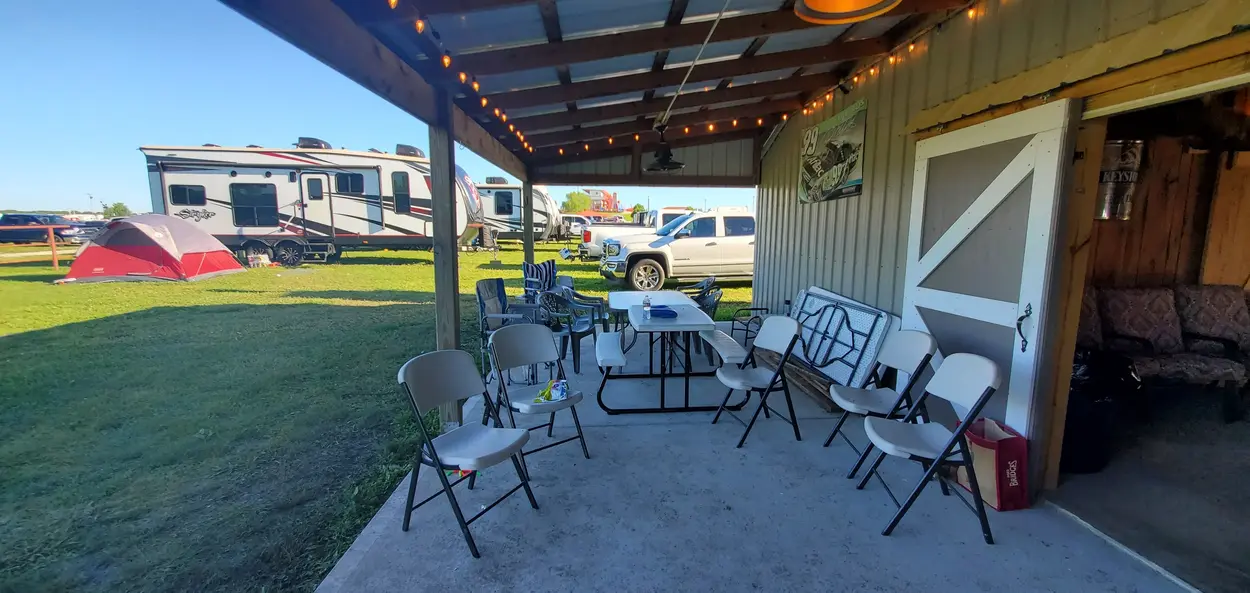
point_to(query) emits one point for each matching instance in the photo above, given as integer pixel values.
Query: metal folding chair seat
(447, 376)
(905, 351)
(523, 345)
(966, 380)
(779, 335)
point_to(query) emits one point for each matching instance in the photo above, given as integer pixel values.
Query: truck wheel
(646, 274)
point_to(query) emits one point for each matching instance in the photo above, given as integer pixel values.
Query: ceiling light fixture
(841, 12)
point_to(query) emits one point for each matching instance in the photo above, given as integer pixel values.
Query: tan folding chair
(448, 376)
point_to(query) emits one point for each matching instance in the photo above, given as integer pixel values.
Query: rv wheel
(256, 249)
(288, 253)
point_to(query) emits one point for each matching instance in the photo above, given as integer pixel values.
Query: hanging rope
(663, 120)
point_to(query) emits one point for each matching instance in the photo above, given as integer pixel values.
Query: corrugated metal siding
(617, 165)
(856, 246)
(723, 159)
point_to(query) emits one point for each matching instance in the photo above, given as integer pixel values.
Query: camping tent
(151, 247)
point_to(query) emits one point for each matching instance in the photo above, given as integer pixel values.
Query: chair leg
(525, 480)
(794, 420)
(412, 492)
(604, 383)
(911, 499)
(472, 479)
(725, 403)
(975, 490)
(837, 427)
(551, 423)
(582, 437)
(763, 406)
(872, 469)
(858, 464)
(577, 355)
(455, 508)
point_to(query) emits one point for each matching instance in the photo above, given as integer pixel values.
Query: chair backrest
(777, 333)
(564, 281)
(906, 350)
(963, 378)
(522, 345)
(491, 299)
(709, 301)
(440, 377)
(540, 277)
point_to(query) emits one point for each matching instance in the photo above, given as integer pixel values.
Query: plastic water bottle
(646, 306)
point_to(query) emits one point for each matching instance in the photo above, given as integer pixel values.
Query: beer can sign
(1117, 178)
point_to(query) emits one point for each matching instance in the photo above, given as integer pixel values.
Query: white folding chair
(777, 334)
(906, 351)
(965, 380)
(523, 345)
(448, 376)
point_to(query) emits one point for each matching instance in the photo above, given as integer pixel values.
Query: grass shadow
(379, 296)
(130, 438)
(350, 260)
(44, 278)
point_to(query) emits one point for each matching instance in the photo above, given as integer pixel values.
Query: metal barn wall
(617, 165)
(723, 159)
(734, 158)
(856, 246)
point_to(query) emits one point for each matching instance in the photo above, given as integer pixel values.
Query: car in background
(576, 223)
(720, 243)
(74, 232)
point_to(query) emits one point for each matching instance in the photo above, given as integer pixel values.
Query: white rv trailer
(502, 210)
(311, 201)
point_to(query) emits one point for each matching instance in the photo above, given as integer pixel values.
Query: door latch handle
(710, 244)
(1028, 312)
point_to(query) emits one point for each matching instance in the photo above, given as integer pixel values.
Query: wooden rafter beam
(659, 39)
(328, 34)
(685, 101)
(590, 89)
(747, 113)
(651, 142)
(676, 12)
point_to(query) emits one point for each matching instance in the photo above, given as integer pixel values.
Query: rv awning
(581, 82)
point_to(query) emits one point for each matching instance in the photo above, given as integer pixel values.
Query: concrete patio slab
(666, 503)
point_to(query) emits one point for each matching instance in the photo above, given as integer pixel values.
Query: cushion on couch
(1089, 329)
(1217, 311)
(1189, 367)
(1145, 313)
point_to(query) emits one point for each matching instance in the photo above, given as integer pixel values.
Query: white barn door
(985, 200)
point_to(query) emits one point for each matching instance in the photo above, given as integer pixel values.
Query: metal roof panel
(586, 18)
(706, 10)
(619, 66)
(803, 38)
(489, 29)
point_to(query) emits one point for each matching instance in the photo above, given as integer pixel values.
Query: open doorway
(1162, 465)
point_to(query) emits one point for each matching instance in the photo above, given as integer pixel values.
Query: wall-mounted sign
(831, 161)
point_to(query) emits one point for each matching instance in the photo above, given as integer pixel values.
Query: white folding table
(689, 321)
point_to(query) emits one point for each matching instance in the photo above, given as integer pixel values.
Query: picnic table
(674, 334)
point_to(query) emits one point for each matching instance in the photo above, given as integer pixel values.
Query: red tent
(151, 247)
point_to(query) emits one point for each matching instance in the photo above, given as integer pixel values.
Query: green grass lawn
(230, 434)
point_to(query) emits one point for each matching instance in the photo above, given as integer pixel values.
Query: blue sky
(88, 82)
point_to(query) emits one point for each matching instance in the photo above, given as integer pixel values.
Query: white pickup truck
(719, 243)
(647, 223)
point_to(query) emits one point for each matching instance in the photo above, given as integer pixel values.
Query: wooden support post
(1071, 264)
(527, 219)
(446, 252)
(56, 264)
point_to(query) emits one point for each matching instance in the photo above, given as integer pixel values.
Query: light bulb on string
(475, 85)
(503, 116)
(609, 139)
(392, 3)
(483, 101)
(446, 60)
(735, 123)
(420, 25)
(561, 152)
(464, 78)
(635, 137)
(711, 127)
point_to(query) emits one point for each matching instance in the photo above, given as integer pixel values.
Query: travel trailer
(310, 202)
(501, 210)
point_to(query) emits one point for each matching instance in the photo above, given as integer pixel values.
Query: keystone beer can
(1117, 178)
